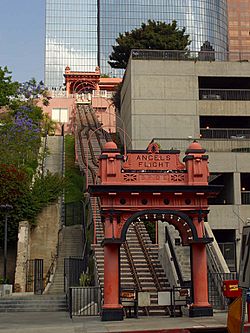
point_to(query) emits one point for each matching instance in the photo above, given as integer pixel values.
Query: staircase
(71, 245)
(33, 303)
(53, 161)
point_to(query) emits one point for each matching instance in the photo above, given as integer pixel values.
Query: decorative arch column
(112, 309)
(200, 306)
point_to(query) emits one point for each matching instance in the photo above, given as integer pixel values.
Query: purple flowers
(23, 123)
(31, 90)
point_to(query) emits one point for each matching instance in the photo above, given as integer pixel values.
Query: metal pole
(243, 309)
(5, 248)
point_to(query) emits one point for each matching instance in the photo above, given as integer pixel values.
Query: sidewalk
(59, 322)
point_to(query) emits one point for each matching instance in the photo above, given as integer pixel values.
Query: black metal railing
(224, 94)
(85, 301)
(34, 276)
(245, 197)
(62, 198)
(225, 133)
(74, 268)
(216, 297)
(210, 144)
(175, 261)
(139, 54)
(74, 213)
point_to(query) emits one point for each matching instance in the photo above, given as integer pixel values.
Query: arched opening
(181, 221)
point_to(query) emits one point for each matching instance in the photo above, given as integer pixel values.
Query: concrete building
(174, 102)
(239, 28)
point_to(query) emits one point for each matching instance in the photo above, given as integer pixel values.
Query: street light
(5, 208)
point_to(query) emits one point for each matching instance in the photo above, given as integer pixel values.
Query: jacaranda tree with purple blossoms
(31, 90)
(20, 139)
(27, 190)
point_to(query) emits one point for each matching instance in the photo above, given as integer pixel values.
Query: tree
(31, 92)
(116, 99)
(8, 88)
(154, 35)
(22, 184)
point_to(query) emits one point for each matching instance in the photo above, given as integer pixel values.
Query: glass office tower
(71, 38)
(205, 20)
(80, 33)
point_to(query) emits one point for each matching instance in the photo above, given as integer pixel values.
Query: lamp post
(5, 208)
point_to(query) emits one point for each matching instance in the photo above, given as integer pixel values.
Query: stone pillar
(237, 188)
(22, 256)
(112, 309)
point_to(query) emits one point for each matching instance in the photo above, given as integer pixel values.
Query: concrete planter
(5, 290)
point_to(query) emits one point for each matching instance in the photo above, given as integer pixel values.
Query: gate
(85, 301)
(34, 276)
(73, 269)
(73, 213)
(215, 288)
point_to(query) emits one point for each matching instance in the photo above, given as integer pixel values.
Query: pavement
(60, 322)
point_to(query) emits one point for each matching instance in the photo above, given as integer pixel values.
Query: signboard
(153, 162)
(244, 271)
(231, 288)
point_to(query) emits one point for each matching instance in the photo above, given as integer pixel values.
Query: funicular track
(140, 267)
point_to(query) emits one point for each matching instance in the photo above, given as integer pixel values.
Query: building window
(226, 195)
(245, 188)
(60, 115)
(226, 241)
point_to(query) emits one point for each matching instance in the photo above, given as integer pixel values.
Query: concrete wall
(65, 103)
(43, 238)
(126, 102)
(161, 98)
(223, 108)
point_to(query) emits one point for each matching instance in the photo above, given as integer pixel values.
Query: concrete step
(42, 303)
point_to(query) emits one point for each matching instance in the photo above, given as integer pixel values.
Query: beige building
(174, 102)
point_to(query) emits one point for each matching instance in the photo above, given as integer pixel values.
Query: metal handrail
(173, 256)
(52, 267)
(210, 144)
(187, 55)
(213, 94)
(245, 197)
(225, 133)
(50, 272)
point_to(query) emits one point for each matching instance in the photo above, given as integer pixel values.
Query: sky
(22, 38)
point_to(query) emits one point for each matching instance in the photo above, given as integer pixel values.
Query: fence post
(70, 302)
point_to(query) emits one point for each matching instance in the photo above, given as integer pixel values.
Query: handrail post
(70, 302)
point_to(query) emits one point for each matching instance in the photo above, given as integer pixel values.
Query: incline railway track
(140, 267)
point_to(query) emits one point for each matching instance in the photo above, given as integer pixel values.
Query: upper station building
(80, 33)
(173, 103)
(83, 88)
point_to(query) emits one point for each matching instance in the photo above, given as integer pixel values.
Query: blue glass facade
(73, 37)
